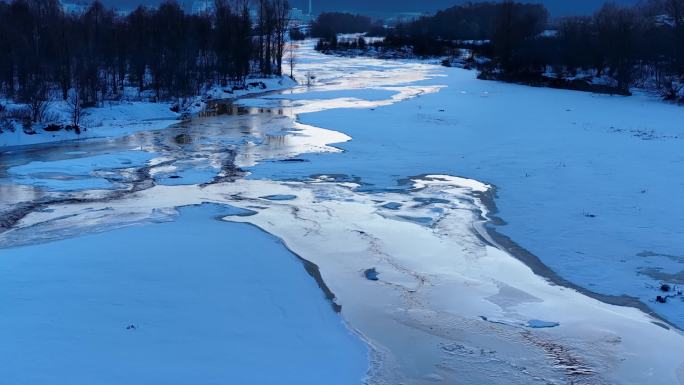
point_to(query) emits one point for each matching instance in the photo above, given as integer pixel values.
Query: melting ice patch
(280, 197)
(538, 324)
(78, 173)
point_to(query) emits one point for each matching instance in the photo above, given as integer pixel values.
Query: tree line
(329, 24)
(640, 45)
(97, 53)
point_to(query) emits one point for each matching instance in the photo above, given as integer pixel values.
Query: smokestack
(310, 7)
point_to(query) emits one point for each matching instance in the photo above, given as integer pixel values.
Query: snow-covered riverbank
(122, 118)
(115, 119)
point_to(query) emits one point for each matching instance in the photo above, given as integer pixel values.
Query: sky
(556, 7)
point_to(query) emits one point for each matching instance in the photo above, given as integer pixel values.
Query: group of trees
(272, 30)
(472, 21)
(633, 45)
(624, 45)
(508, 21)
(46, 52)
(328, 25)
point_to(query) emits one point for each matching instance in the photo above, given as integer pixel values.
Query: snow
(115, 119)
(254, 86)
(447, 180)
(264, 85)
(582, 180)
(189, 301)
(122, 118)
(346, 231)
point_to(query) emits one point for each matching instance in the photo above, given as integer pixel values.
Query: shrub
(6, 125)
(296, 34)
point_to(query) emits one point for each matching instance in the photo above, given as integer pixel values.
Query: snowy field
(189, 301)
(136, 255)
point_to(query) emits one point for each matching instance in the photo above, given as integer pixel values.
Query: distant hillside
(556, 7)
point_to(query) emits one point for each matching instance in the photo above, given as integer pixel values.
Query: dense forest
(92, 56)
(330, 24)
(641, 45)
(616, 48)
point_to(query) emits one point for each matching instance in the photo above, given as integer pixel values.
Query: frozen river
(353, 231)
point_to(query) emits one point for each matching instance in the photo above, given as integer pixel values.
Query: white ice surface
(582, 180)
(434, 281)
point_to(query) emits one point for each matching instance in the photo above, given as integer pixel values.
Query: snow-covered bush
(27, 127)
(18, 113)
(5, 123)
(672, 90)
(75, 109)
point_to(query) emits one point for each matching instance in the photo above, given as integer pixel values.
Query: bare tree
(282, 21)
(291, 57)
(676, 10)
(272, 26)
(5, 123)
(265, 34)
(617, 33)
(310, 78)
(76, 111)
(35, 96)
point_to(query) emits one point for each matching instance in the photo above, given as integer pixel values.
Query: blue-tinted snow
(592, 184)
(195, 301)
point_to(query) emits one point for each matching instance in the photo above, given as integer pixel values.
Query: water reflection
(228, 107)
(206, 148)
(229, 136)
(11, 194)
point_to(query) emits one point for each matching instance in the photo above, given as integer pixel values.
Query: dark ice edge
(311, 268)
(505, 243)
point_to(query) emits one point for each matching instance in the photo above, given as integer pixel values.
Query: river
(149, 251)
